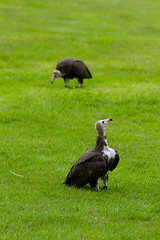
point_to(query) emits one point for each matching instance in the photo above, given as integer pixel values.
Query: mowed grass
(45, 128)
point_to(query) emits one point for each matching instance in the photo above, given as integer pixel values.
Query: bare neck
(100, 143)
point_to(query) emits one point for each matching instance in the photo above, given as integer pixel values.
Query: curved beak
(106, 121)
(53, 77)
(100, 126)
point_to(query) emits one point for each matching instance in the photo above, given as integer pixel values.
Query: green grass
(45, 128)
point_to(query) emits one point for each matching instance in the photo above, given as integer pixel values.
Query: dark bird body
(70, 68)
(95, 163)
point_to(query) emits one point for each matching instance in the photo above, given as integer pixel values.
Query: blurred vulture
(95, 163)
(70, 68)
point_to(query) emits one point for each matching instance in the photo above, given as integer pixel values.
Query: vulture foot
(67, 87)
(105, 188)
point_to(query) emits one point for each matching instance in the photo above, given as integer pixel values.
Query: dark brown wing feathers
(80, 70)
(86, 171)
(73, 68)
(89, 155)
(115, 162)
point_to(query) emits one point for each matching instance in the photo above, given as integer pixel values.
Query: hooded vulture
(95, 163)
(70, 68)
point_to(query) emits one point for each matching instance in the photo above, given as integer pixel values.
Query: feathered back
(73, 67)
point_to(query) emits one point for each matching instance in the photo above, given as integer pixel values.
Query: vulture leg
(95, 169)
(94, 184)
(66, 82)
(80, 82)
(105, 180)
(97, 186)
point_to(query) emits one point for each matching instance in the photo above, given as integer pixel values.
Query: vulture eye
(103, 122)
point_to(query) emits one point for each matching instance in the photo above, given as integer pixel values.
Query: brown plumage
(70, 68)
(95, 163)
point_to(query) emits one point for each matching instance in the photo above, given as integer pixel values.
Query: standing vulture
(70, 68)
(95, 163)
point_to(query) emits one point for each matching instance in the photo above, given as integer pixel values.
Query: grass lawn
(45, 128)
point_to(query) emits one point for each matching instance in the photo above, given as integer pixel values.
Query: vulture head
(56, 74)
(100, 126)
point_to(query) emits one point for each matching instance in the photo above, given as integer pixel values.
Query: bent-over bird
(95, 163)
(70, 68)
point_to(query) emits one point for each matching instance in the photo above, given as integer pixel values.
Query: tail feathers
(66, 182)
(90, 75)
(67, 179)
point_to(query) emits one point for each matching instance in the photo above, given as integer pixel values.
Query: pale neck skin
(101, 131)
(100, 128)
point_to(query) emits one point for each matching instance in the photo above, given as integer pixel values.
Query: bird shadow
(76, 87)
(90, 189)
